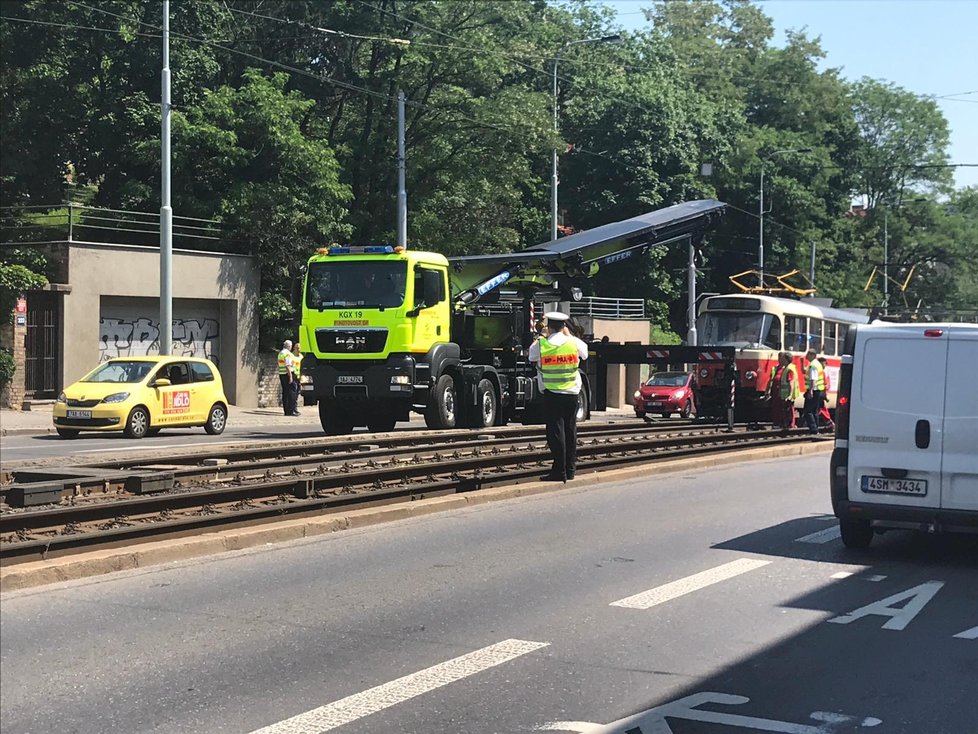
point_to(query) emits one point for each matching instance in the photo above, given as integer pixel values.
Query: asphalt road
(722, 601)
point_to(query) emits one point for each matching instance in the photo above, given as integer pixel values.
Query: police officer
(814, 391)
(286, 375)
(557, 358)
(296, 376)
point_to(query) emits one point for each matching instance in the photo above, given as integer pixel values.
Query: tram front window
(753, 330)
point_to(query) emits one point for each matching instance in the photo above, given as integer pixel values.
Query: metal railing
(588, 307)
(608, 308)
(71, 222)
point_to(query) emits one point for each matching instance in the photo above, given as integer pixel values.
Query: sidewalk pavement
(38, 419)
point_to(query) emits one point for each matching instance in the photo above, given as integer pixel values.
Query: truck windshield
(741, 330)
(339, 284)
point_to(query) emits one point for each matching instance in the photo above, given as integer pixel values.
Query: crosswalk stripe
(351, 708)
(697, 581)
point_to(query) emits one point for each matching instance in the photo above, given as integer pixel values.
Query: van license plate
(894, 486)
(84, 414)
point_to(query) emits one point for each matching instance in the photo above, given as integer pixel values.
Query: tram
(760, 326)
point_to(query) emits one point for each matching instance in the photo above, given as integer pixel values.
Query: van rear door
(959, 488)
(896, 421)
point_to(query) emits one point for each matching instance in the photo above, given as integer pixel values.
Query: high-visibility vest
(282, 356)
(789, 388)
(820, 379)
(297, 364)
(558, 365)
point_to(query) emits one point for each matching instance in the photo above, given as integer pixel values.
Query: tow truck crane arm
(558, 264)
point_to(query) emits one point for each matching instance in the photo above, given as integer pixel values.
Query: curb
(96, 563)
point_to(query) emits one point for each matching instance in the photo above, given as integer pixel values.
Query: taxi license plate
(894, 486)
(83, 414)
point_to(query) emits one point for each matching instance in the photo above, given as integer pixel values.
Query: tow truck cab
(375, 320)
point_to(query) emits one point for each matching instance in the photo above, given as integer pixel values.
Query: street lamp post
(553, 178)
(760, 208)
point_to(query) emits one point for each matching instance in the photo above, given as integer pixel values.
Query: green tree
(256, 158)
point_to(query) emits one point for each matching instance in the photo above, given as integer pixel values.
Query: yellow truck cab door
(431, 320)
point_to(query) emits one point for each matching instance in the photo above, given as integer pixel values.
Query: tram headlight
(750, 375)
(704, 372)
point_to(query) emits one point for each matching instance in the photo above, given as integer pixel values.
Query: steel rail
(149, 517)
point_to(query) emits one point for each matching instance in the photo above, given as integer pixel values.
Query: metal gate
(41, 378)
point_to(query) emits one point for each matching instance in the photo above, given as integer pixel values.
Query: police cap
(556, 316)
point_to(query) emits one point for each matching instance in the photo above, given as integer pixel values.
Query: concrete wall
(125, 281)
(623, 380)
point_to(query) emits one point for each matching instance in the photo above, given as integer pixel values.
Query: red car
(664, 394)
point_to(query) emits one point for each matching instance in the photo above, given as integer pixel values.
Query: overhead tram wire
(322, 78)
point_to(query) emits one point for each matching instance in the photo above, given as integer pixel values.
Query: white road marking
(380, 697)
(578, 727)
(141, 446)
(821, 536)
(899, 617)
(654, 720)
(697, 581)
(847, 574)
(971, 634)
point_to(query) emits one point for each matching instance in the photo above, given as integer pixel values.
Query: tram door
(41, 346)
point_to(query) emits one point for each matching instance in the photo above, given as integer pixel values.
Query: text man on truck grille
(557, 358)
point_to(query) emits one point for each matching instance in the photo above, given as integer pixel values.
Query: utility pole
(811, 266)
(401, 189)
(166, 212)
(760, 228)
(691, 305)
(886, 261)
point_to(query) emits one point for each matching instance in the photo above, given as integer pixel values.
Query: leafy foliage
(285, 130)
(15, 281)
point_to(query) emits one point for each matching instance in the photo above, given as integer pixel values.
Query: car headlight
(400, 379)
(305, 379)
(677, 395)
(637, 395)
(117, 397)
(62, 398)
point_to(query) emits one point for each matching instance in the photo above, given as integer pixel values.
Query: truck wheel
(441, 410)
(583, 406)
(856, 534)
(334, 419)
(487, 404)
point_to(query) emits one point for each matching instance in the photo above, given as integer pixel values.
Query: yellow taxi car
(142, 395)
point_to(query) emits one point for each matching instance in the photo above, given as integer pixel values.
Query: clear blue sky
(925, 46)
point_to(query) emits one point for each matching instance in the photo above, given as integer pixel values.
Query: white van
(906, 447)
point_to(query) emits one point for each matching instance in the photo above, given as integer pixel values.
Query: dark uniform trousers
(288, 395)
(812, 407)
(561, 415)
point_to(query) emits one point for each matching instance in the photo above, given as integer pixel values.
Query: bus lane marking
(378, 698)
(899, 617)
(971, 634)
(654, 720)
(689, 584)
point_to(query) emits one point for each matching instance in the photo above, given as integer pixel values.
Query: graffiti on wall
(140, 336)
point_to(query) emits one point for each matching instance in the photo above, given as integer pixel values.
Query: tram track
(266, 489)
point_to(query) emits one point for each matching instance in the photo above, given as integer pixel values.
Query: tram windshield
(745, 330)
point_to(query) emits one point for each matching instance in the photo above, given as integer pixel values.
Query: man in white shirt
(557, 358)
